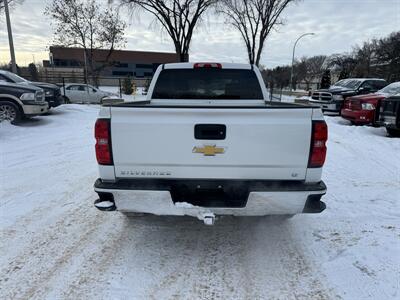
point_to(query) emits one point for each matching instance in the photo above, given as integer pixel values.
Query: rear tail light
(102, 133)
(318, 144)
(207, 65)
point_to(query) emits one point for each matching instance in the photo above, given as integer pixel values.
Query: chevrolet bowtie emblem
(209, 150)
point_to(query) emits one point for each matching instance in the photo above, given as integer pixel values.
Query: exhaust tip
(105, 205)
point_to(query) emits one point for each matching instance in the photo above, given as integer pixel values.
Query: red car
(364, 109)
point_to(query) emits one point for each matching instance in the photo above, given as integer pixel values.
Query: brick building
(122, 63)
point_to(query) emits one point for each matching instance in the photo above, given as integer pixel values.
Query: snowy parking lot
(55, 245)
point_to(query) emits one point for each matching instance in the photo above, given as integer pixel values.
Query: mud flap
(314, 205)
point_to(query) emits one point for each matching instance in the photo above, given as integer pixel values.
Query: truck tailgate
(260, 143)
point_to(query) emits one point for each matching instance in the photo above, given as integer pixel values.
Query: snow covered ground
(55, 245)
(115, 89)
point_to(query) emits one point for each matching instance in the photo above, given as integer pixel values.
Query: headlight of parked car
(367, 106)
(27, 96)
(49, 93)
(337, 97)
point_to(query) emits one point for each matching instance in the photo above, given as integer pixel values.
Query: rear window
(207, 83)
(379, 84)
(392, 89)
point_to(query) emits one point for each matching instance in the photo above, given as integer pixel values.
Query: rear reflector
(207, 65)
(102, 133)
(318, 144)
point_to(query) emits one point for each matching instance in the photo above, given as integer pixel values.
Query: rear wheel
(393, 132)
(66, 100)
(9, 112)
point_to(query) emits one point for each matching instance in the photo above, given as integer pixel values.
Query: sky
(338, 25)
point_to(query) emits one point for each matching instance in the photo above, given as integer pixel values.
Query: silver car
(84, 93)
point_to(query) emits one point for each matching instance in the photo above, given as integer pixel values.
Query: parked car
(208, 141)
(332, 99)
(52, 91)
(18, 101)
(364, 109)
(390, 115)
(84, 93)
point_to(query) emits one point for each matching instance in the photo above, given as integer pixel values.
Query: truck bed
(159, 141)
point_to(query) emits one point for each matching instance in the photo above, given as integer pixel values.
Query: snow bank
(136, 97)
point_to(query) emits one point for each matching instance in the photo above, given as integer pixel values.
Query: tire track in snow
(28, 227)
(48, 251)
(180, 258)
(82, 274)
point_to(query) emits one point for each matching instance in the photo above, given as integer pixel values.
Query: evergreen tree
(127, 86)
(344, 74)
(326, 80)
(33, 72)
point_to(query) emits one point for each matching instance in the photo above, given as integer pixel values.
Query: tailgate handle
(209, 131)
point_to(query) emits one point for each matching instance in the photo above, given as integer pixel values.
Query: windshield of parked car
(15, 78)
(349, 83)
(207, 83)
(391, 89)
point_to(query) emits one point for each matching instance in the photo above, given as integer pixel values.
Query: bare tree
(178, 17)
(364, 56)
(2, 4)
(279, 77)
(88, 25)
(388, 56)
(309, 69)
(345, 63)
(254, 19)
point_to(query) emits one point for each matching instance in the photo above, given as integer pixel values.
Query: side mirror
(94, 91)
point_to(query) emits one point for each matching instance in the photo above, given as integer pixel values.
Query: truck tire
(9, 111)
(393, 132)
(66, 100)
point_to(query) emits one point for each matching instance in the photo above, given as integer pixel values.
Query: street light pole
(86, 75)
(294, 49)
(10, 37)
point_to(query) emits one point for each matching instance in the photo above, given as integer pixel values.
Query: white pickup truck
(208, 142)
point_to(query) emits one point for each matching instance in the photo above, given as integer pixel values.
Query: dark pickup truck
(332, 99)
(18, 101)
(52, 91)
(390, 115)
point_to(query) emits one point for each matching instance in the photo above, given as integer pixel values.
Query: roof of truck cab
(190, 65)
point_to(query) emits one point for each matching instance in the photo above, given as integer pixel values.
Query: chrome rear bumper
(261, 199)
